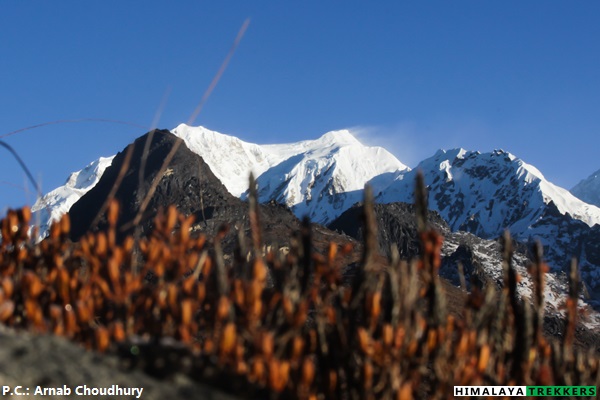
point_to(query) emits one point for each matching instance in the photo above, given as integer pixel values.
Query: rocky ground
(30, 360)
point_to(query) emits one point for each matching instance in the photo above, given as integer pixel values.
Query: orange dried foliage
(330, 339)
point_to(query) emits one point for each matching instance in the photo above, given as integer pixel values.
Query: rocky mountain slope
(486, 193)
(481, 258)
(188, 183)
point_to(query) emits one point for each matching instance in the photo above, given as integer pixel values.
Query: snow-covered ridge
(486, 193)
(229, 158)
(58, 202)
(320, 178)
(336, 165)
(323, 177)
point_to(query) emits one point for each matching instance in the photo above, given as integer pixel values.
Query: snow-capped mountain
(485, 193)
(56, 203)
(481, 193)
(188, 183)
(324, 177)
(319, 178)
(588, 189)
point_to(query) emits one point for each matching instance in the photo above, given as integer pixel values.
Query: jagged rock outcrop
(481, 259)
(396, 224)
(187, 182)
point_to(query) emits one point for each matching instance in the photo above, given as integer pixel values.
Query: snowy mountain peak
(341, 137)
(229, 158)
(452, 154)
(488, 192)
(339, 153)
(328, 176)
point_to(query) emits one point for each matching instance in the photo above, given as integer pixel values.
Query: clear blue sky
(519, 75)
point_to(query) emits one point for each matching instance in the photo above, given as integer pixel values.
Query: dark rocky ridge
(184, 182)
(481, 258)
(189, 184)
(572, 238)
(397, 226)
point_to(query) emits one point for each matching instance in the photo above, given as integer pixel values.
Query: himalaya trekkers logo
(525, 391)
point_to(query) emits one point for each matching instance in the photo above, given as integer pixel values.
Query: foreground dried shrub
(300, 325)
